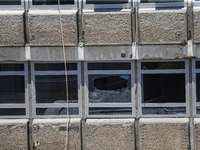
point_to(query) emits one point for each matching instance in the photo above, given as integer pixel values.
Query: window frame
(105, 105)
(13, 7)
(42, 7)
(106, 6)
(157, 105)
(169, 4)
(57, 105)
(26, 90)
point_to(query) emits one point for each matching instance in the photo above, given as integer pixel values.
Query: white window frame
(31, 6)
(169, 4)
(105, 105)
(195, 3)
(17, 105)
(157, 105)
(13, 7)
(56, 105)
(106, 6)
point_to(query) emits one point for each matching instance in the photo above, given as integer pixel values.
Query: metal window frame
(17, 105)
(55, 105)
(114, 105)
(31, 6)
(13, 7)
(169, 4)
(106, 6)
(164, 71)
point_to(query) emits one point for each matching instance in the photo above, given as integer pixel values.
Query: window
(13, 90)
(52, 4)
(110, 89)
(163, 88)
(162, 3)
(49, 89)
(95, 4)
(11, 4)
(196, 2)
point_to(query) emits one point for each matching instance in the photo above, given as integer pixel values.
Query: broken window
(110, 91)
(50, 94)
(13, 90)
(163, 87)
(162, 3)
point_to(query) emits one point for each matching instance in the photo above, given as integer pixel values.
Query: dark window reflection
(106, 1)
(54, 66)
(53, 2)
(163, 110)
(160, 1)
(162, 65)
(109, 66)
(12, 111)
(11, 67)
(57, 111)
(10, 2)
(198, 86)
(110, 111)
(52, 88)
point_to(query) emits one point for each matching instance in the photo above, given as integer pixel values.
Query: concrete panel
(107, 28)
(13, 134)
(110, 134)
(11, 28)
(12, 53)
(109, 53)
(50, 134)
(53, 53)
(196, 23)
(45, 28)
(161, 51)
(164, 134)
(162, 26)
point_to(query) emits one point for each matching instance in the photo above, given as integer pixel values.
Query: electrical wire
(63, 47)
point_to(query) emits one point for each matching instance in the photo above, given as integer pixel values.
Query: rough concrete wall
(110, 134)
(196, 23)
(13, 134)
(50, 134)
(197, 133)
(107, 28)
(11, 28)
(163, 134)
(162, 26)
(45, 28)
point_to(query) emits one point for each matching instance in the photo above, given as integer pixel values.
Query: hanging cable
(65, 64)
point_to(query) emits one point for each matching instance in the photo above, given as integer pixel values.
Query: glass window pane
(162, 65)
(110, 111)
(106, 1)
(160, 1)
(52, 88)
(57, 111)
(197, 110)
(109, 88)
(11, 67)
(10, 2)
(52, 2)
(12, 89)
(164, 88)
(109, 66)
(163, 110)
(54, 66)
(197, 64)
(12, 111)
(198, 87)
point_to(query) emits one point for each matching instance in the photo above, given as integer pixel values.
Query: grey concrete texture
(110, 134)
(13, 134)
(196, 24)
(164, 134)
(12, 53)
(45, 28)
(50, 134)
(107, 28)
(11, 28)
(162, 26)
(197, 133)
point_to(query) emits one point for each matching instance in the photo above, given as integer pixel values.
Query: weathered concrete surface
(45, 28)
(107, 28)
(164, 134)
(110, 134)
(196, 23)
(11, 28)
(197, 133)
(50, 134)
(12, 53)
(13, 134)
(162, 26)
(161, 51)
(53, 53)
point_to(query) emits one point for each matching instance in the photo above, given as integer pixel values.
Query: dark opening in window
(162, 65)
(53, 2)
(57, 111)
(10, 2)
(106, 1)
(54, 66)
(160, 1)
(109, 66)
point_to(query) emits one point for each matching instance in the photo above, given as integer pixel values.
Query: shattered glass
(110, 111)
(163, 110)
(57, 111)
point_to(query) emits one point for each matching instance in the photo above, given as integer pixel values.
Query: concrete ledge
(110, 134)
(12, 53)
(163, 133)
(13, 134)
(11, 28)
(197, 133)
(50, 134)
(45, 27)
